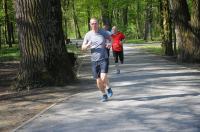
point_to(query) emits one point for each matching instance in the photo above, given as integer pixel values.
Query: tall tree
(195, 33)
(1, 22)
(148, 21)
(105, 12)
(173, 27)
(187, 30)
(125, 15)
(9, 25)
(65, 8)
(0, 36)
(167, 28)
(139, 20)
(44, 59)
(77, 29)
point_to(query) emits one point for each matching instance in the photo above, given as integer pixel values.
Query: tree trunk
(167, 29)
(187, 32)
(12, 33)
(194, 38)
(173, 27)
(148, 21)
(77, 30)
(139, 21)
(65, 6)
(125, 15)
(44, 59)
(105, 12)
(8, 25)
(88, 16)
(0, 36)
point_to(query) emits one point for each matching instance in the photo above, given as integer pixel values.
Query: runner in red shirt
(117, 47)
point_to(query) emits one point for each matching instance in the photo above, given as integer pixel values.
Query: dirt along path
(16, 108)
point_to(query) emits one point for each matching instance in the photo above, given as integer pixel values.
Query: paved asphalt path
(150, 95)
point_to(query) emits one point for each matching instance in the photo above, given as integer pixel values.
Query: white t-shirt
(98, 44)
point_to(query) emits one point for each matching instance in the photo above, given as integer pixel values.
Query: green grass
(140, 41)
(13, 53)
(9, 53)
(73, 48)
(135, 41)
(155, 49)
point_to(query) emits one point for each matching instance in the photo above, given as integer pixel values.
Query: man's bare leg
(100, 85)
(105, 80)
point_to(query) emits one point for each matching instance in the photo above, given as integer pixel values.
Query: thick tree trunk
(167, 29)
(44, 59)
(194, 38)
(187, 30)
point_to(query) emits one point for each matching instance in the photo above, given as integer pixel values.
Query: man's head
(94, 24)
(114, 29)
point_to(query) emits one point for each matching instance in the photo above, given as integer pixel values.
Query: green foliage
(130, 31)
(1, 16)
(136, 16)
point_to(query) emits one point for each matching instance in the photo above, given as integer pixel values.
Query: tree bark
(167, 29)
(65, 7)
(148, 21)
(88, 16)
(44, 59)
(0, 36)
(187, 30)
(173, 27)
(77, 30)
(194, 38)
(139, 21)
(8, 25)
(105, 12)
(125, 15)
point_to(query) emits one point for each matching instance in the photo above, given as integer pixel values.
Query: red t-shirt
(116, 41)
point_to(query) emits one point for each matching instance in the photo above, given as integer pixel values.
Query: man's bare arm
(85, 46)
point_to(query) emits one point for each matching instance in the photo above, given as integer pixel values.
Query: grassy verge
(9, 53)
(140, 41)
(73, 48)
(153, 48)
(135, 41)
(13, 53)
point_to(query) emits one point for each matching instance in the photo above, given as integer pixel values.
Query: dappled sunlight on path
(150, 95)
